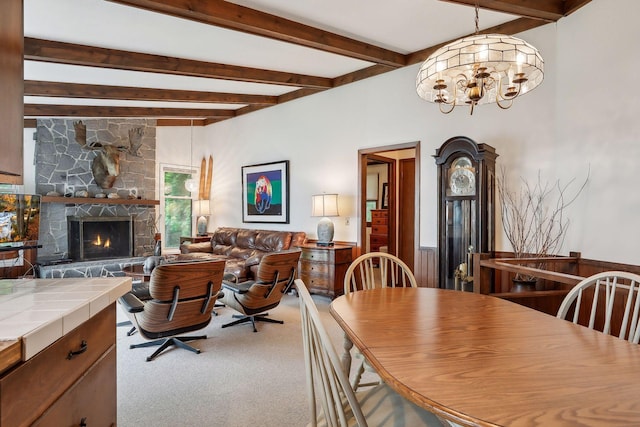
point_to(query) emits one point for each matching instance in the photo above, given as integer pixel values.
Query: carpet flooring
(240, 378)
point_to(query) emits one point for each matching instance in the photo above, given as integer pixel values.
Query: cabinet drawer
(317, 255)
(314, 281)
(378, 240)
(93, 399)
(50, 373)
(379, 213)
(379, 221)
(380, 229)
(314, 268)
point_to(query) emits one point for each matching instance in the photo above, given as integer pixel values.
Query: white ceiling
(403, 26)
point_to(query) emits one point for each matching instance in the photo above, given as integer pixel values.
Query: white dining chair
(373, 269)
(607, 301)
(369, 271)
(332, 400)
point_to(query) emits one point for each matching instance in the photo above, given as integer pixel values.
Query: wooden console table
(322, 268)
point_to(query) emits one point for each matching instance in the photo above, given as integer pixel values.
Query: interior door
(402, 197)
(406, 210)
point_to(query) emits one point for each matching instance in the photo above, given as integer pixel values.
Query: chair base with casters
(253, 319)
(165, 343)
(131, 331)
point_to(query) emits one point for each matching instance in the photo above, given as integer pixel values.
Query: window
(175, 205)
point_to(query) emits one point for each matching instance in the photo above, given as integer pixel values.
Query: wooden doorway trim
(363, 154)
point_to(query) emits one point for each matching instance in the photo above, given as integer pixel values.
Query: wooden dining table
(483, 361)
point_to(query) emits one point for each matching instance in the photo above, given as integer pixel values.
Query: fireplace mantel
(96, 201)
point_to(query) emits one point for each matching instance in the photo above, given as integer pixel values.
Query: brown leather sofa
(242, 248)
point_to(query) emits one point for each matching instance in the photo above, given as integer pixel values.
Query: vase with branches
(534, 216)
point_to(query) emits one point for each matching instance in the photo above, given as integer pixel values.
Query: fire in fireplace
(94, 238)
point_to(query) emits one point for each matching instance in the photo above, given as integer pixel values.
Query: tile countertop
(38, 312)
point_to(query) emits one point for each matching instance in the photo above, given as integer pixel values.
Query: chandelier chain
(477, 18)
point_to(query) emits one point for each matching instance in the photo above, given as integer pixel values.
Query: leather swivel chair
(276, 273)
(182, 299)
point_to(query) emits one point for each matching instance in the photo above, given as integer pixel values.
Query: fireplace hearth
(96, 238)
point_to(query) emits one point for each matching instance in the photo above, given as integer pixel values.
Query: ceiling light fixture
(480, 69)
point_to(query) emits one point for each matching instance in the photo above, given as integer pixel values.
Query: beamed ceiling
(210, 60)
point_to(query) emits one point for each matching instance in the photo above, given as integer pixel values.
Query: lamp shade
(203, 208)
(324, 205)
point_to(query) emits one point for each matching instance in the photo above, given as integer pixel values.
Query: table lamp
(203, 210)
(324, 205)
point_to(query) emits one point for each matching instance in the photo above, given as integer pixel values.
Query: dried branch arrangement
(533, 218)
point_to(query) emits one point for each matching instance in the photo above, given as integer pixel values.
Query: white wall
(583, 114)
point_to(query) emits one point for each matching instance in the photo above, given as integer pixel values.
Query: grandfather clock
(466, 207)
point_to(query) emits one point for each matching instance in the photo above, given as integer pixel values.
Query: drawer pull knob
(83, 422)
(83, 348)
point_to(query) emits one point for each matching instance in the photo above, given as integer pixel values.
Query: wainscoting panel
(426, 267)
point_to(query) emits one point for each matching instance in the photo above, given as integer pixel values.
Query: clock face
(462, 182)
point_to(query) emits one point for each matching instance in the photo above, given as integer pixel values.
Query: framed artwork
(265, 192)
(385, 196)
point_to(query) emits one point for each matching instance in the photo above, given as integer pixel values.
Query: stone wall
(64, 167)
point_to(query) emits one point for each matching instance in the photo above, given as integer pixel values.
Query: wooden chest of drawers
(322, 269)
(379, 229)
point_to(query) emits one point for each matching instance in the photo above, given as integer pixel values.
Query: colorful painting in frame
(265, 192)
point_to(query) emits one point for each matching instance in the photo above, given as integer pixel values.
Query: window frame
(163, 168)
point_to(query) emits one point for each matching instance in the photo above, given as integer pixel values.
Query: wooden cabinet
(379, 229)
(322, 268)
(11, 87)
(72, 380)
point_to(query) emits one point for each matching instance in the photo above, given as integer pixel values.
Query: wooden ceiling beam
(48, 110)
(571, 6)
(180, 122)
(75, 90)
(42, 50)
(91, 56)
(546, 10)
(240, 18)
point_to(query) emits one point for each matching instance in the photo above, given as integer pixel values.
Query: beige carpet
(240, 379)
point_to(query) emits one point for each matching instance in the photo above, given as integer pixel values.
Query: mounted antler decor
(106, 165)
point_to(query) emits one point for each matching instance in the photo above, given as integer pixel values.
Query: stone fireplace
(64, 167)
(95, 238)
